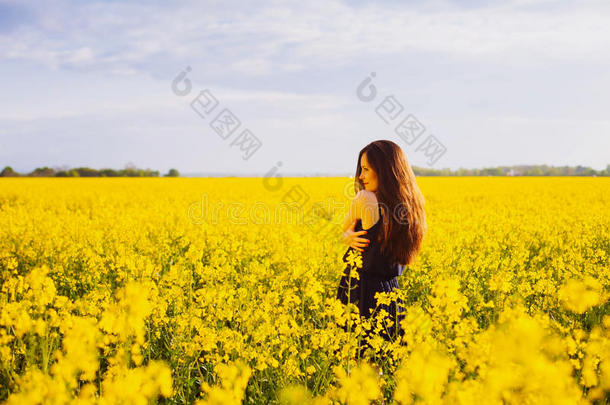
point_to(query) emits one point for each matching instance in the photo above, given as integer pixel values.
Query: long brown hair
(399, 197)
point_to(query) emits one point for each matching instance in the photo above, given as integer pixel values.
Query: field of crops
(177, 290)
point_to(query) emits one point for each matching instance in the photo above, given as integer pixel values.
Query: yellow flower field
(178, 290)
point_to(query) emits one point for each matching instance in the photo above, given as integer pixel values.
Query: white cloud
(252, 66)
(263, 37)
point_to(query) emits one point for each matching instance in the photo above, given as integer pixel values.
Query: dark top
(377, 273)
(374, 263)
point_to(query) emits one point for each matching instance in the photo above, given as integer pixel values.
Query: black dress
(377, 274)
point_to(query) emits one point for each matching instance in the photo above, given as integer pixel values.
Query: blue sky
(89, 83)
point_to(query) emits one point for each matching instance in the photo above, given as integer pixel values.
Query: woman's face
(368, 177)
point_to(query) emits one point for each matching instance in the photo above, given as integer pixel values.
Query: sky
(480, 83)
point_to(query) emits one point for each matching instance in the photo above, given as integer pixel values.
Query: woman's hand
(353, 239)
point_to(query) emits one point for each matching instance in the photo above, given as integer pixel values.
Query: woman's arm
(350, 237)
(354, 212)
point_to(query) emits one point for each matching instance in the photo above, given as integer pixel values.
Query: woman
(389, 210)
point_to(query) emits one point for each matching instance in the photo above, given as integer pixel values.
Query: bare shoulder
(366, 198)
(369, 207)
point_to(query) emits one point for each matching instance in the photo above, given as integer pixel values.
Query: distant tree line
(533, 170)
(129, 171)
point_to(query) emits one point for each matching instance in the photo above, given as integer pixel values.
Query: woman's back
(377, 274)
(374, 263)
